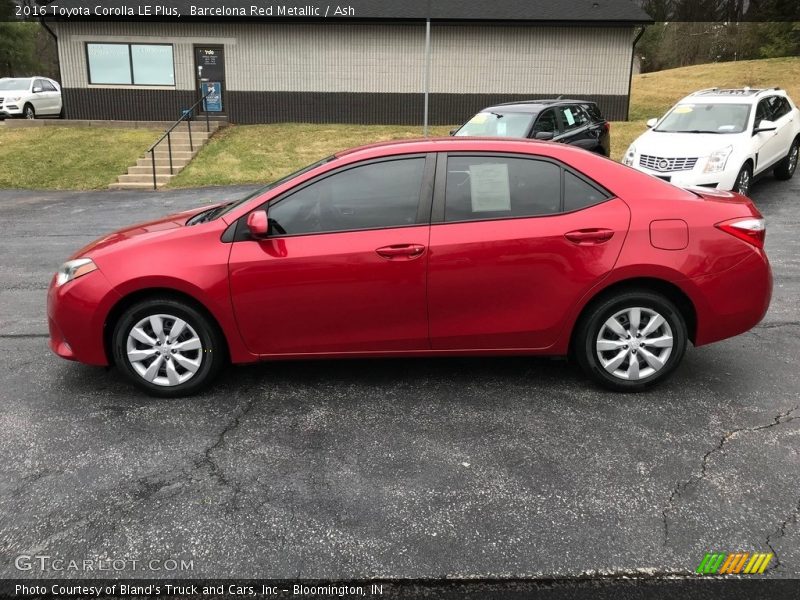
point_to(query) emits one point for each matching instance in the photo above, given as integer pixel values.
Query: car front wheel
(631, 341)
(743, 180)
(168, 348)
(28, 112)
(786, 168)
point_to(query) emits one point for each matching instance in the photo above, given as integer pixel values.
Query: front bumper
(76, 315)
(722, 180)
(10, 110)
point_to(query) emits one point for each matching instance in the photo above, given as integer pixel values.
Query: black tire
(28, 112)
(744, 180)
(595, 318)
(212, 354)
(61, 112)
(786, 168)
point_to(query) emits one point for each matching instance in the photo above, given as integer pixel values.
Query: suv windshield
(498, 124)
(706, 118)
(14, 84)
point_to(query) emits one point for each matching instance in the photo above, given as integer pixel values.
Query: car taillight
(750, 229)
(607, 127)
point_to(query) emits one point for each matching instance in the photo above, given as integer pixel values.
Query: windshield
(14, 84)
(706, 118)
(229, 207)
(498, 124)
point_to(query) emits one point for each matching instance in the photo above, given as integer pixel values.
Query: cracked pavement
(502, 467)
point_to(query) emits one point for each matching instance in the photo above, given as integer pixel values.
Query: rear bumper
(734, 301)
(76, 314)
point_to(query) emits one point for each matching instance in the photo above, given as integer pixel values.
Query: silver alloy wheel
(793, 154)
(29, 114)
(164, 350)
(634, 343)
(743, 185)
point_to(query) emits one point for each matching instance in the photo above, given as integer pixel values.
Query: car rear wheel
(744, 180)
(28, 112)
(168, 348)
(631, 341)
(786, 168)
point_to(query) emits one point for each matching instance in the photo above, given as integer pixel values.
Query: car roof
(534, 106)
(732, 95)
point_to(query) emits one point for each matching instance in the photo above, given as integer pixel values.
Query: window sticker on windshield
(569, 117)
(682, 110)
(479, 118)
(489, 188)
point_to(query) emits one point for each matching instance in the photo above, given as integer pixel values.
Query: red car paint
(512, 286)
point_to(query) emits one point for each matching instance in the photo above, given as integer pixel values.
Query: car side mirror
(652, 122)
(258, 224)
(765, 125)
(37, 90)
(544, 135)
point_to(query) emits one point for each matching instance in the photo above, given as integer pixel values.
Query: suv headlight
(73, 269)
(630, 154)
(718, 160)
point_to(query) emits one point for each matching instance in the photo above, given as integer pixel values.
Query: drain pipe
(630, 73)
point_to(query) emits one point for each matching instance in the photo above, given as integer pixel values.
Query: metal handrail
(186, 115)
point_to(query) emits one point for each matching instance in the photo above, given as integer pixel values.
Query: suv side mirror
(258, 224)
(765, 125)
(37, 90)
(652, 122)
(544, 135)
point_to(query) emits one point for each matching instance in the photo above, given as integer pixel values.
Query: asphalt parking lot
(404, 468)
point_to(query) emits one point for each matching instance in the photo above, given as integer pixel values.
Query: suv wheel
(168, 348)
(744, 180)
(786, 168)
(28, 112)
(631, 341)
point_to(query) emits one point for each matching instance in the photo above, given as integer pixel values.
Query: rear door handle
(587, 237)
(401, 251)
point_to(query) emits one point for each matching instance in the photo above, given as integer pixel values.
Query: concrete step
(163, 178)
(177, 163)
(134, 186)
(148, 170)
(175, 153)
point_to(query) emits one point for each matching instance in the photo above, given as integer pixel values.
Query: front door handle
(588, 237)
(401, 251)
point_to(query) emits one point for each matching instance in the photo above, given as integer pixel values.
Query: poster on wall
(213, 101)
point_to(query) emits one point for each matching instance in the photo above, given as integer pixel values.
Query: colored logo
(736, 563)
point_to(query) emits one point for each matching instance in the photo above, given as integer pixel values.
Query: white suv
(29, 97)
(721, 138)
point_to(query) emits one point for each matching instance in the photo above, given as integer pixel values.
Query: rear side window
(580, 194)
(572, 117)
(593, 111)
(371, 196)
(482, 187)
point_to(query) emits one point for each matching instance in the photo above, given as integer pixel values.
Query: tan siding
(376, 58)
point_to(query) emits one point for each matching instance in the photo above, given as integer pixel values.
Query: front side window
(48, 87)
(497, 124)
(130, 64)
(373, 196)
(483, 187)
(547, 123)
(706, 118)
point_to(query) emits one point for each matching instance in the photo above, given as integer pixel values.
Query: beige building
(345, 71)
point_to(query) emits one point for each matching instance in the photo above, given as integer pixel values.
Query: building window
(130, 64)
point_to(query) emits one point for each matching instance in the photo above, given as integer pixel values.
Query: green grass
(263, 153)
(91, 158)
(68, 158)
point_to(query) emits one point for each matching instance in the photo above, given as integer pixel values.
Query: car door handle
(585, 237)
(401, 251)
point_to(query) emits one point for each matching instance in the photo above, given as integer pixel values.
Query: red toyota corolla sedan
(442, 247)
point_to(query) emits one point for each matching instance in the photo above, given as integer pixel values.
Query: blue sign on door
(213, 102)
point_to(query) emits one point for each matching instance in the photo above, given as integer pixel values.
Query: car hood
(678, 145)
(149, 228)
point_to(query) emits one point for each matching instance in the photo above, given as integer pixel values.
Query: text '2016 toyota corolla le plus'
(443, 247)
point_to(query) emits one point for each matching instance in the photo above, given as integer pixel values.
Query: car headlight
(718, 160)
(12, 98)
(72, 269)
(629, 156)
